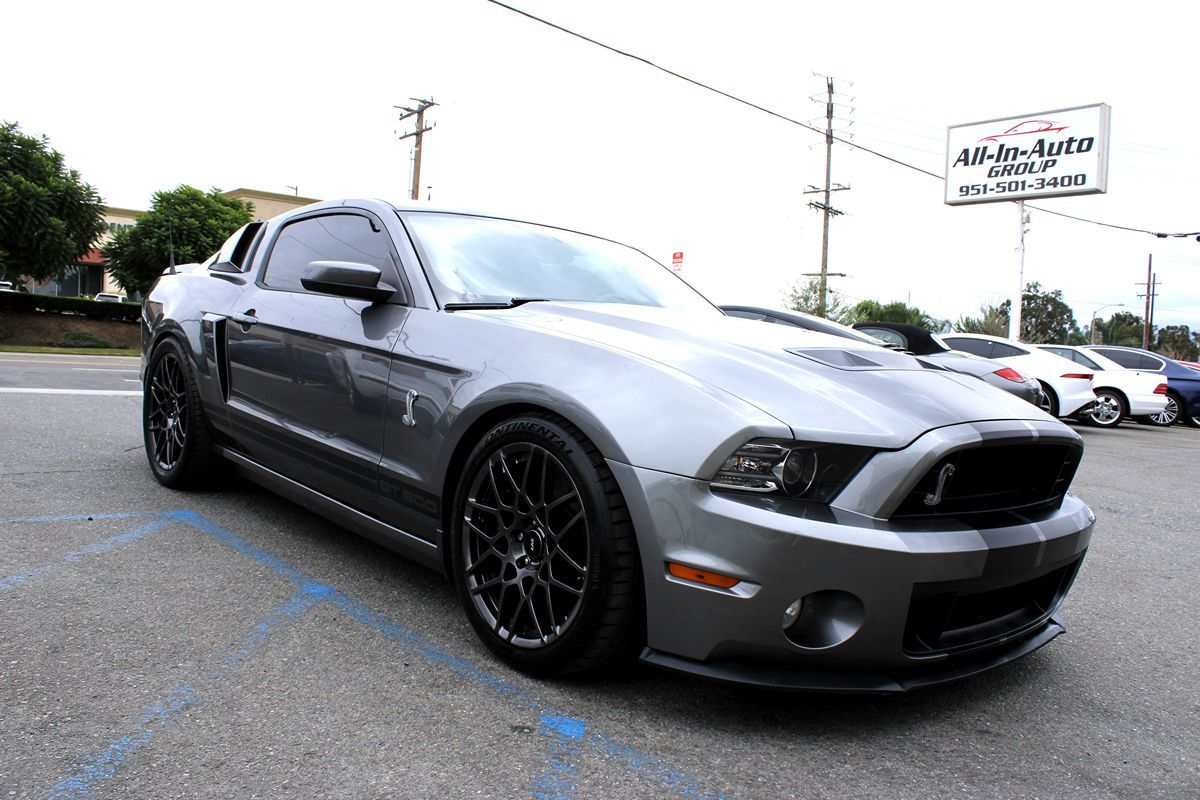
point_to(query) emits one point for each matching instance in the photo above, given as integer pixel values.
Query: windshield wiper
(513, 303)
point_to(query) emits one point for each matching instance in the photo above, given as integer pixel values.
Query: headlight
(804, 470)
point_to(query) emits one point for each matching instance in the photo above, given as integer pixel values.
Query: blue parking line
(650, 767)
(81, 517)
(569, 736)
(557, 780)
(104, 763)
(21, 578)
(235, 542)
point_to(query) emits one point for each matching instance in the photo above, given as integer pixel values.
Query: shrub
(21, 301)
(83, 339)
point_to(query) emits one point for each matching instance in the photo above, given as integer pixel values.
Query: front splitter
(851, 682)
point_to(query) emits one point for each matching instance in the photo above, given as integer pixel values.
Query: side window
(887, 335)
(1130, 359)
(334, 237)
(1080, 358)
(237, 246)
(1001, 350)
(976, 347)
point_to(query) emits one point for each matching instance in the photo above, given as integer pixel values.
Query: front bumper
(875, 591)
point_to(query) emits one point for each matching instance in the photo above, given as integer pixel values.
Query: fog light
(792, 613)
(825, 619)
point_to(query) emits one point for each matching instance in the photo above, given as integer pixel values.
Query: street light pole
(1092, 330)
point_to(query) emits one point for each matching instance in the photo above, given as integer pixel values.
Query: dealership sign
(1050, 154)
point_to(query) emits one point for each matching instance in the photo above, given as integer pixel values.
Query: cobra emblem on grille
(944, 476)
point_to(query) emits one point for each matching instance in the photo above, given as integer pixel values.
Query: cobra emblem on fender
(410, 400)
(944, 476)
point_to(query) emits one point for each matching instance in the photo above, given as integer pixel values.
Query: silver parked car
(606, 465)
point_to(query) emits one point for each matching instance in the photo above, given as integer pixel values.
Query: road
(224, 644)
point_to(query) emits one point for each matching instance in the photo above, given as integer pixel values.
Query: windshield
(485, 260)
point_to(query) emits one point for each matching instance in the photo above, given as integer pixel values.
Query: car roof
(920, 341)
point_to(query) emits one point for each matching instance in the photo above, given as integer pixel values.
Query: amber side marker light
(700, 576)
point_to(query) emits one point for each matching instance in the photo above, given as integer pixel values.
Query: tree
(49, 218)
(895, 311)
(197, 223)
(1122, 327)
(805, 296)
(1176, 341)
(992, 321)
(1045, 318)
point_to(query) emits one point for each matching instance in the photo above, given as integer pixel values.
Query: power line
(1118, 227)
(785, 118)
(713, 89)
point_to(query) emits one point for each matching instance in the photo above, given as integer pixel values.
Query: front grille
(946, 620)
(994, 478)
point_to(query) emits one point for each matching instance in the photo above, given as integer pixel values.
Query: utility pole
(421, 130)
(1151, 285)
(824, 207)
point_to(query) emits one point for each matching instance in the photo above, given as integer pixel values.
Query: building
(88, 276)
(269, 204)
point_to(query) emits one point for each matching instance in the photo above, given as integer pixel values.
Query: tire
(1049, 401)
(1169, 415)
(174, 426)
(1109, 410)
(543, 552)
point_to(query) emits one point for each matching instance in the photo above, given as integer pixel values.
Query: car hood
(824, 387)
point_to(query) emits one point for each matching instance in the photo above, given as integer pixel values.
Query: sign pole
(1014, 315)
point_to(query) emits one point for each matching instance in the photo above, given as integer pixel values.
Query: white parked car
(110, 297)
(1120, 392)
(1066, 386)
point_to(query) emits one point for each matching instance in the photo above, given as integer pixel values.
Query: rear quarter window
(978, 347)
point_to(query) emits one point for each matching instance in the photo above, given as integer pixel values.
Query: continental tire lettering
(524, 426)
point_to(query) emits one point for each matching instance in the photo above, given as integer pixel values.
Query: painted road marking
(85, 392)
(102, 369)
(569, 737)
(557, 780)
(46, 363)
(104, 763)
(21, 578)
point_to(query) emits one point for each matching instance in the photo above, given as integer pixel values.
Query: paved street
(226, 644)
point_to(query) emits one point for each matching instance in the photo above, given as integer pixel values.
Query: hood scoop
(857, 360)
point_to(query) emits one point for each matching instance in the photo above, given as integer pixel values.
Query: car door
(308, 371)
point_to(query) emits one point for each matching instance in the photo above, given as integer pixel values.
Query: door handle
(245, 320)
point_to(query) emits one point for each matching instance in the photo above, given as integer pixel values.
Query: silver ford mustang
(606, 465)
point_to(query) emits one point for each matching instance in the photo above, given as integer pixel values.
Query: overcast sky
(141, 97)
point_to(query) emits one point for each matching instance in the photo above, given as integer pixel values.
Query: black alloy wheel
(1108, 410)
(543, 553)
(1170, 413)
(175, 429)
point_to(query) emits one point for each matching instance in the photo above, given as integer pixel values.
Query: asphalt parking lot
(231, 644)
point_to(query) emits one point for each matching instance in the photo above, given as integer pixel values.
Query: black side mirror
(347, 279)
